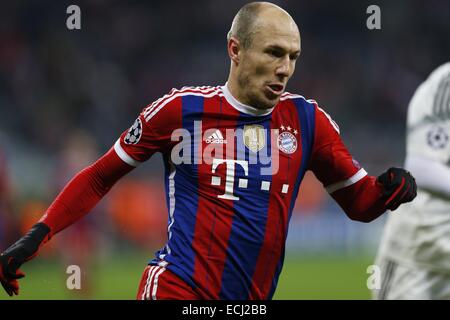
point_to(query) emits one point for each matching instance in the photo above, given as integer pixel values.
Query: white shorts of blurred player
(406, 282)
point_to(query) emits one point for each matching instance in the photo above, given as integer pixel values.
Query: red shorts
(158, 283)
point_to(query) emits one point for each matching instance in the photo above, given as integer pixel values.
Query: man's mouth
(276, 89)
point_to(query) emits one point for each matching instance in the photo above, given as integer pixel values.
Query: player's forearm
(430, 175)
(78, 198)
(361, 201)
(84, 191)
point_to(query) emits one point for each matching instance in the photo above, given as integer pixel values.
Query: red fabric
(277, 224)
(158, 283)
(361, 201)
(159, 121)
(331, 161)
(84, 191)
(214, 219)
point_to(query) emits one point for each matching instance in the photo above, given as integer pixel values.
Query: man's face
(267, 65)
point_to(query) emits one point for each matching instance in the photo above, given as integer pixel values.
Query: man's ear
(234, 49)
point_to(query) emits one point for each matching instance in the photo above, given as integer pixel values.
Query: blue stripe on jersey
(167, 171)
(250, 216)
(180, 253)
(166, 160)
(307, 117)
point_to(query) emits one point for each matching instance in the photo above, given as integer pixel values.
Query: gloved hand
(399, 186)
(23, 250)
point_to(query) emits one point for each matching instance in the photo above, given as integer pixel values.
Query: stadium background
(65, 96)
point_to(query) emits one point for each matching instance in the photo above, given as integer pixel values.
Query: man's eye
(275, 53)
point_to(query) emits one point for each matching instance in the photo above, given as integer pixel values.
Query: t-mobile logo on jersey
(229, 183)
(230, 177)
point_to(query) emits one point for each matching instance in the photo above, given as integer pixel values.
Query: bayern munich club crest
(287, 142)
(134, 133)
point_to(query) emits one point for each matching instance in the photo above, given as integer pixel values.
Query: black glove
(399, 186)
(21, 251)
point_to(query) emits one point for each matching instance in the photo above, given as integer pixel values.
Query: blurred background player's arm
(430, 175)
(428, 145)
(80, 195)
(362, 197)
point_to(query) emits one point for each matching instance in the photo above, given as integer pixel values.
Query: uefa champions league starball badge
(437, 138)
(134, 133)
(287, 142)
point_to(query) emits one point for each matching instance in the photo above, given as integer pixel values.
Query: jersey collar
(239, 106)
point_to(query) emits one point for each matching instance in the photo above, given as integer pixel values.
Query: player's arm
(431, 175)
(150, 133)
(361, 196)
(428, 137)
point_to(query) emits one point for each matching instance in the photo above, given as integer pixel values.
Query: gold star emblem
(295, 131)
(289, 128)
(282, 127)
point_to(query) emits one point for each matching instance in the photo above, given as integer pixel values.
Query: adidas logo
(216, 137)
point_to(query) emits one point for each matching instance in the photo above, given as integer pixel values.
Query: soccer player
(414, 253)
(234, 156)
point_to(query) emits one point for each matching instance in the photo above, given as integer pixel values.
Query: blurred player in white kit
(414, 254)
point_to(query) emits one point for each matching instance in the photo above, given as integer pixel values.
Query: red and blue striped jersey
(232, 177)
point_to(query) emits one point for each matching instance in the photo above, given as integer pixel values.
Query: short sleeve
(331, 162)
(428, 128)
(151, 132)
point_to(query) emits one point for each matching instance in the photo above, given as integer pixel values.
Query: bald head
(253, 17)
(263, 45)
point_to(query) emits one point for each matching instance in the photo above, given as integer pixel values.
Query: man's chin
(265, 102)
(270, 102)
(265, 106)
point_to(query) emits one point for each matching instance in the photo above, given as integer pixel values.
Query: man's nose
(284, 68)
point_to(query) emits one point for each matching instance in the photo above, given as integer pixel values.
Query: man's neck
(235, 91)
(242, 107)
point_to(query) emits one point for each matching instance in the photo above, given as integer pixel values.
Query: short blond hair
(243, 26)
